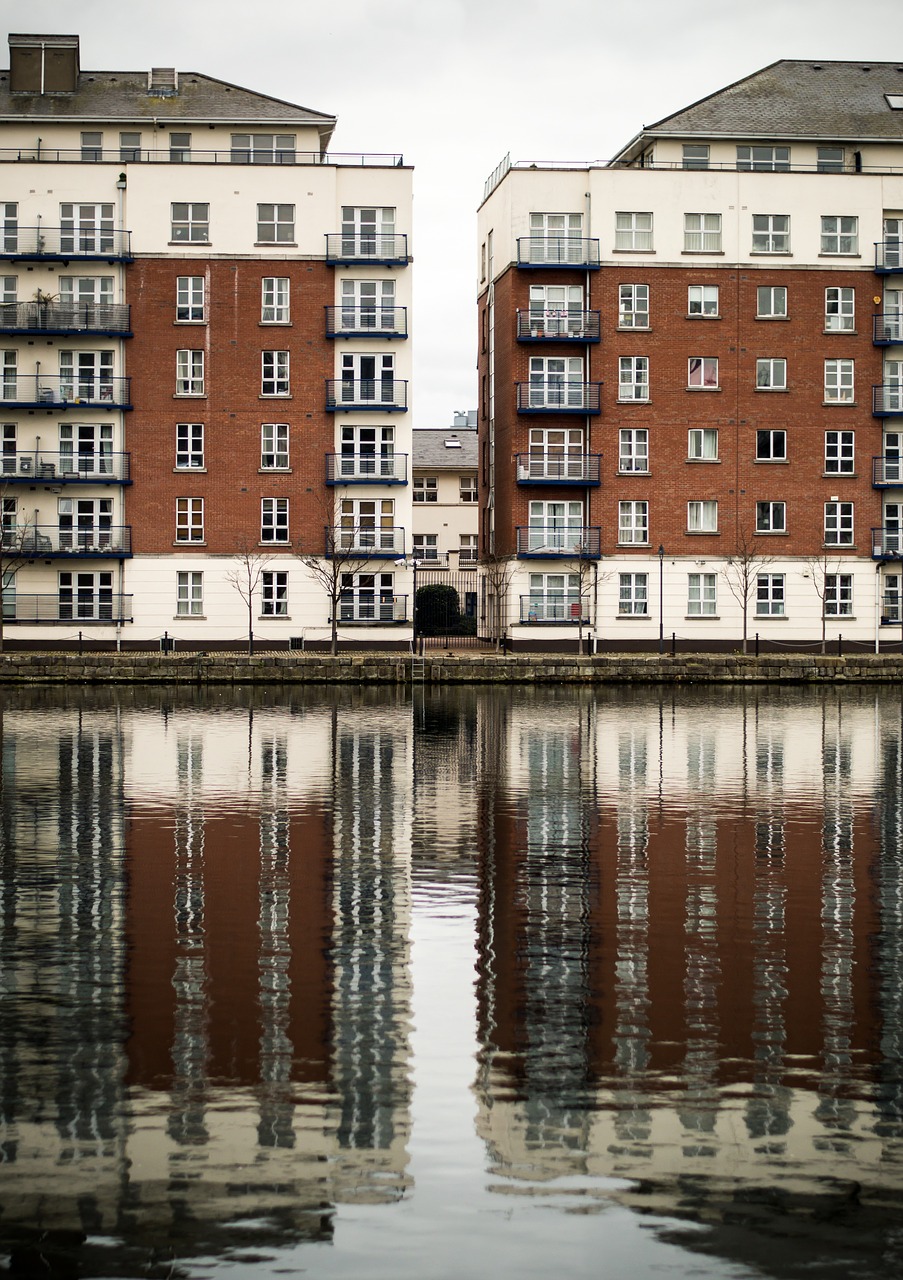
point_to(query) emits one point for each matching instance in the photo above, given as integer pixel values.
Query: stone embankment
(471, 668)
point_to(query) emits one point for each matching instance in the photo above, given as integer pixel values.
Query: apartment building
(206, 383)
(444, 472)
(691, 375)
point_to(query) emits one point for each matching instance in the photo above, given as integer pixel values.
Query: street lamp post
(661, 598)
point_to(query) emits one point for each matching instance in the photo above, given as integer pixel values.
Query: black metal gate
(447, 608)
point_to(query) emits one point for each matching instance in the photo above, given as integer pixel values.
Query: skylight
(894, 101)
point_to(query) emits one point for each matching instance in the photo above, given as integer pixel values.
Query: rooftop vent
(43, 64)
(163, 82)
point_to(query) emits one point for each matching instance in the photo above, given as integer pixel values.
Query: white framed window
(9, 225)
(771, 517)
(633, 231)
(274, 306)
(467, 489)
(702, 300)
(771, 374)
(633, 594)
(702, 517)
(189, 446)
(86, 448)
(190, 298)
(771, 302)
(8, 374)
(468, 548)
(633, 306)
(838, 595)
(771, 233)
(189, 519)
(770, 595)
(367, 524)
(92, 146)
(85, 595)
(702, 595)
(275, 224)
(367, 597)
(86, 375)
(84, 293)
(263, 148)
(839, 453)
(369, 304)
(274, 593)
(129, 147)
(9, 289)
(776, 159)
(556, 382)
(180, 147)
(426, 546)
(367, 452)
(86, 228)
(771, 446)
(556, 527)
(633, 378)
(633, 522)
(702, 371)
(368, 379)
(274, 519)
(702, 444)
(274, 446)
(840, 309)
(189, 595)
(695, 155)
(556, 237)
(839, 234)
(839, 524)
(829, 159)
(839, 381)
(368, 232)
(426, 489)
(190, 222)
(189, 373)
(274, 380)
(556, 453)
(633, 449)
(702, 233)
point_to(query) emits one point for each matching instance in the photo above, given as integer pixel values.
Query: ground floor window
(633, 593)
(190, 595)
(367, 597)
(274, 594)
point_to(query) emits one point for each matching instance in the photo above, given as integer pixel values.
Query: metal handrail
(42, 390)
(65, 317)
(103, 243)
(887, 398)
(887, 541)
(551, 607)
(65, 468)
(364, 541)
(570, 324)
(887, 470)
(889, 255)
(375, 468)
(85, 608)
(547, 395)
(557, 251)
(369, 320)
(559, 540)
(366, 246)
(566, 468)
(374, 606)
(366, 393)
(50, 539)
(887, 327)
(167, 155)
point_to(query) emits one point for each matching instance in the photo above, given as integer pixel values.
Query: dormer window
(696, 155)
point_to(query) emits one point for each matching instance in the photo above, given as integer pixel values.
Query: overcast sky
(456, 84)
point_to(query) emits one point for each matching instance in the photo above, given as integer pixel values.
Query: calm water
(487, 984)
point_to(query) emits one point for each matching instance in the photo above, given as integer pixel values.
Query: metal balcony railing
(551, 606)
(195, 155)
(558, 251)
(558, 468)
(366, 468)
(50, 391)
(100, 244)
(568, 325)
(887, 328)
(887, 471)
(364, 542)
(388, 394)
(558, 540)
(888, 256)
(65, 468)
(890, 608)
(550, 395)
(388, 248)
(377, 321)
(887, 543)
(368, 607)
(887, 399)
(107, 319)
(82, 606)
(51, 540)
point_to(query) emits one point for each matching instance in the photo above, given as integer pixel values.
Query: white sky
(455, 84)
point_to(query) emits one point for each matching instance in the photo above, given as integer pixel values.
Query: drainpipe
(878, 607)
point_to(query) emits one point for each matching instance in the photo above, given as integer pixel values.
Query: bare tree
(497, 573)
(822, 567)
(246, 578)
(18, 545)
(741, 573)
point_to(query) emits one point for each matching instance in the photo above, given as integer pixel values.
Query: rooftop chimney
(162, 82)
(43, 64)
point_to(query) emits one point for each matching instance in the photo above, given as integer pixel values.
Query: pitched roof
(430, 452)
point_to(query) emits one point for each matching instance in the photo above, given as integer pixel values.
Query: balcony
(378, 248)
(119, 156)
(369, 608)
(46, 540)
(551, 395)
(49, 391)
(366, 322)
(558, 541)
(389, 395)
(58, 318)
(84, 608)
(887, 399)
(887, 328)
(569, 325)
(888, 256)
(558, 251)
(554, 607)
(366, 468)
(62, 244)
(887, 543)
(887, 471)
(890, 609)
(559, 468)
(364, 542)
(65, 468)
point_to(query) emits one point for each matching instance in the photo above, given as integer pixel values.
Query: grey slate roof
(430, 453)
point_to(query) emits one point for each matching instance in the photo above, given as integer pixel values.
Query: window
(370, 305)
(263, 148)
(368, 233)
(189, 373)
(839, 453)
(9, 446)
(839, 234)
(190, 298)
(274, 446)
(763, 158)
(191, 223)
(830, 159)
(633, 522)
(633, 449)
(633, 231)
(86, 375)
(426, 489)
(840, 309)
(702, 233)
(771, 233)
(467, 489)
(839, 524)
(367, 452)
(633, 378)
(771, 446)
(702, 444)
(129, 147)
(702, 371)
(367, 597)
(274, 373)
(275, 223)
(180, 148)
(771, 302)
(771, 374)
(839, 384)
(426, 546)
(556, 453)
(274, 594)
(189, 519)
(275, 294)
(556, 237)
(702, 517)
(85, 293)
(274, 519)
(9, 289)
(87, 228)
(190, 598)
(87, 449)
(633, 593)
(369, 379)
(770, 595)
(368, 524)
(92, 146)
(633, 306)
(556, 382)
(702, 300)
(771, 517)
(838, 595)
(469, 549)
(189, 445)
(701, 595)
(9, 226)
(695, 155)
(554, 597)
(556, 310)
(86, 596)
(9, 374)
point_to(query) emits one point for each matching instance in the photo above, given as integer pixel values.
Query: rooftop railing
(194, 155)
